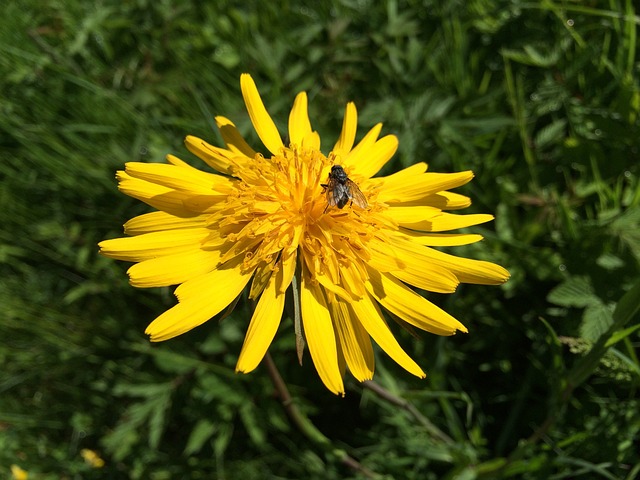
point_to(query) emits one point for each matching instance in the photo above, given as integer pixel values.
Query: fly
(340, 190)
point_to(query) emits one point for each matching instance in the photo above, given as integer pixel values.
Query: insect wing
(356, 195)
(329, 189)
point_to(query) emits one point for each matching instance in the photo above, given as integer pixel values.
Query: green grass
(541, 99)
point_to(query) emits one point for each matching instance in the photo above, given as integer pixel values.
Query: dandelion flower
(267, 221)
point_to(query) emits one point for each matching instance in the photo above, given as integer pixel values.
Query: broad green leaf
(609, 261)
(596, 320)
(627, 228)
(626, 309)
(574, 292)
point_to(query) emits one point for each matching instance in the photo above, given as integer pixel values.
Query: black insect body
(340, 190)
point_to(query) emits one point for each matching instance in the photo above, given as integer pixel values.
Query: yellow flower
(92, 458)
(262, 219)
(18, 474)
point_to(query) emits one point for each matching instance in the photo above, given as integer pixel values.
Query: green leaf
(608, 261)
(491, 466)
(621, 335)
(222, 439)
(551, 134)
(626, 363)
(531, 56)
(627, 228)
(250, 421)
(628, 306)
(626, 309)
(158, 418)
(596, 320)
(574, 292)
(202, 432)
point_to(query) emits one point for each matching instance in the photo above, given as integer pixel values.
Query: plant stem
(306, 427)
(410, 408)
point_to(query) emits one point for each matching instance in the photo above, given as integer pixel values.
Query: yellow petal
(332, 286)
(173, 160)
(232, 138)
(287, 270)
(262, 328)
(311, 141)
(430, 219)
(262, 122)
(155, 244)
(441, 239)
(188, 179)
(421, 186)
(217, 158)
(370, 316)
(231, 273)
(260, 280)
(299, 124)
(469, 270)
(200, 299)
(206, 204)
(320, 335)
(404, 175)
(400, 300)
(414, 267)
(342, 362)
(157, 196)
(160, 221)
(354, 342)
(379, 154)
(435, 279)
(353, 275)
(382, 258)
(448, 201)
(353, 157)
(440, 200)
(173, 269)
(368, 157)
(348, 133)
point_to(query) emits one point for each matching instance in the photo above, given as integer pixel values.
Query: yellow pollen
(277, 206)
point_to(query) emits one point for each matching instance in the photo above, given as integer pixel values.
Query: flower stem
(410, 408)
(306, 427)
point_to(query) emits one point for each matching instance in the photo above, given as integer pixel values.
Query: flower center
(279, 207)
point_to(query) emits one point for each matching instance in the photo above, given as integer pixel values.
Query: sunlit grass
(540, 99)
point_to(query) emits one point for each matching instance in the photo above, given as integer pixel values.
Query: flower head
(352, 243)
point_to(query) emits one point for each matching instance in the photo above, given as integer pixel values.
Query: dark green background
(541, 99)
